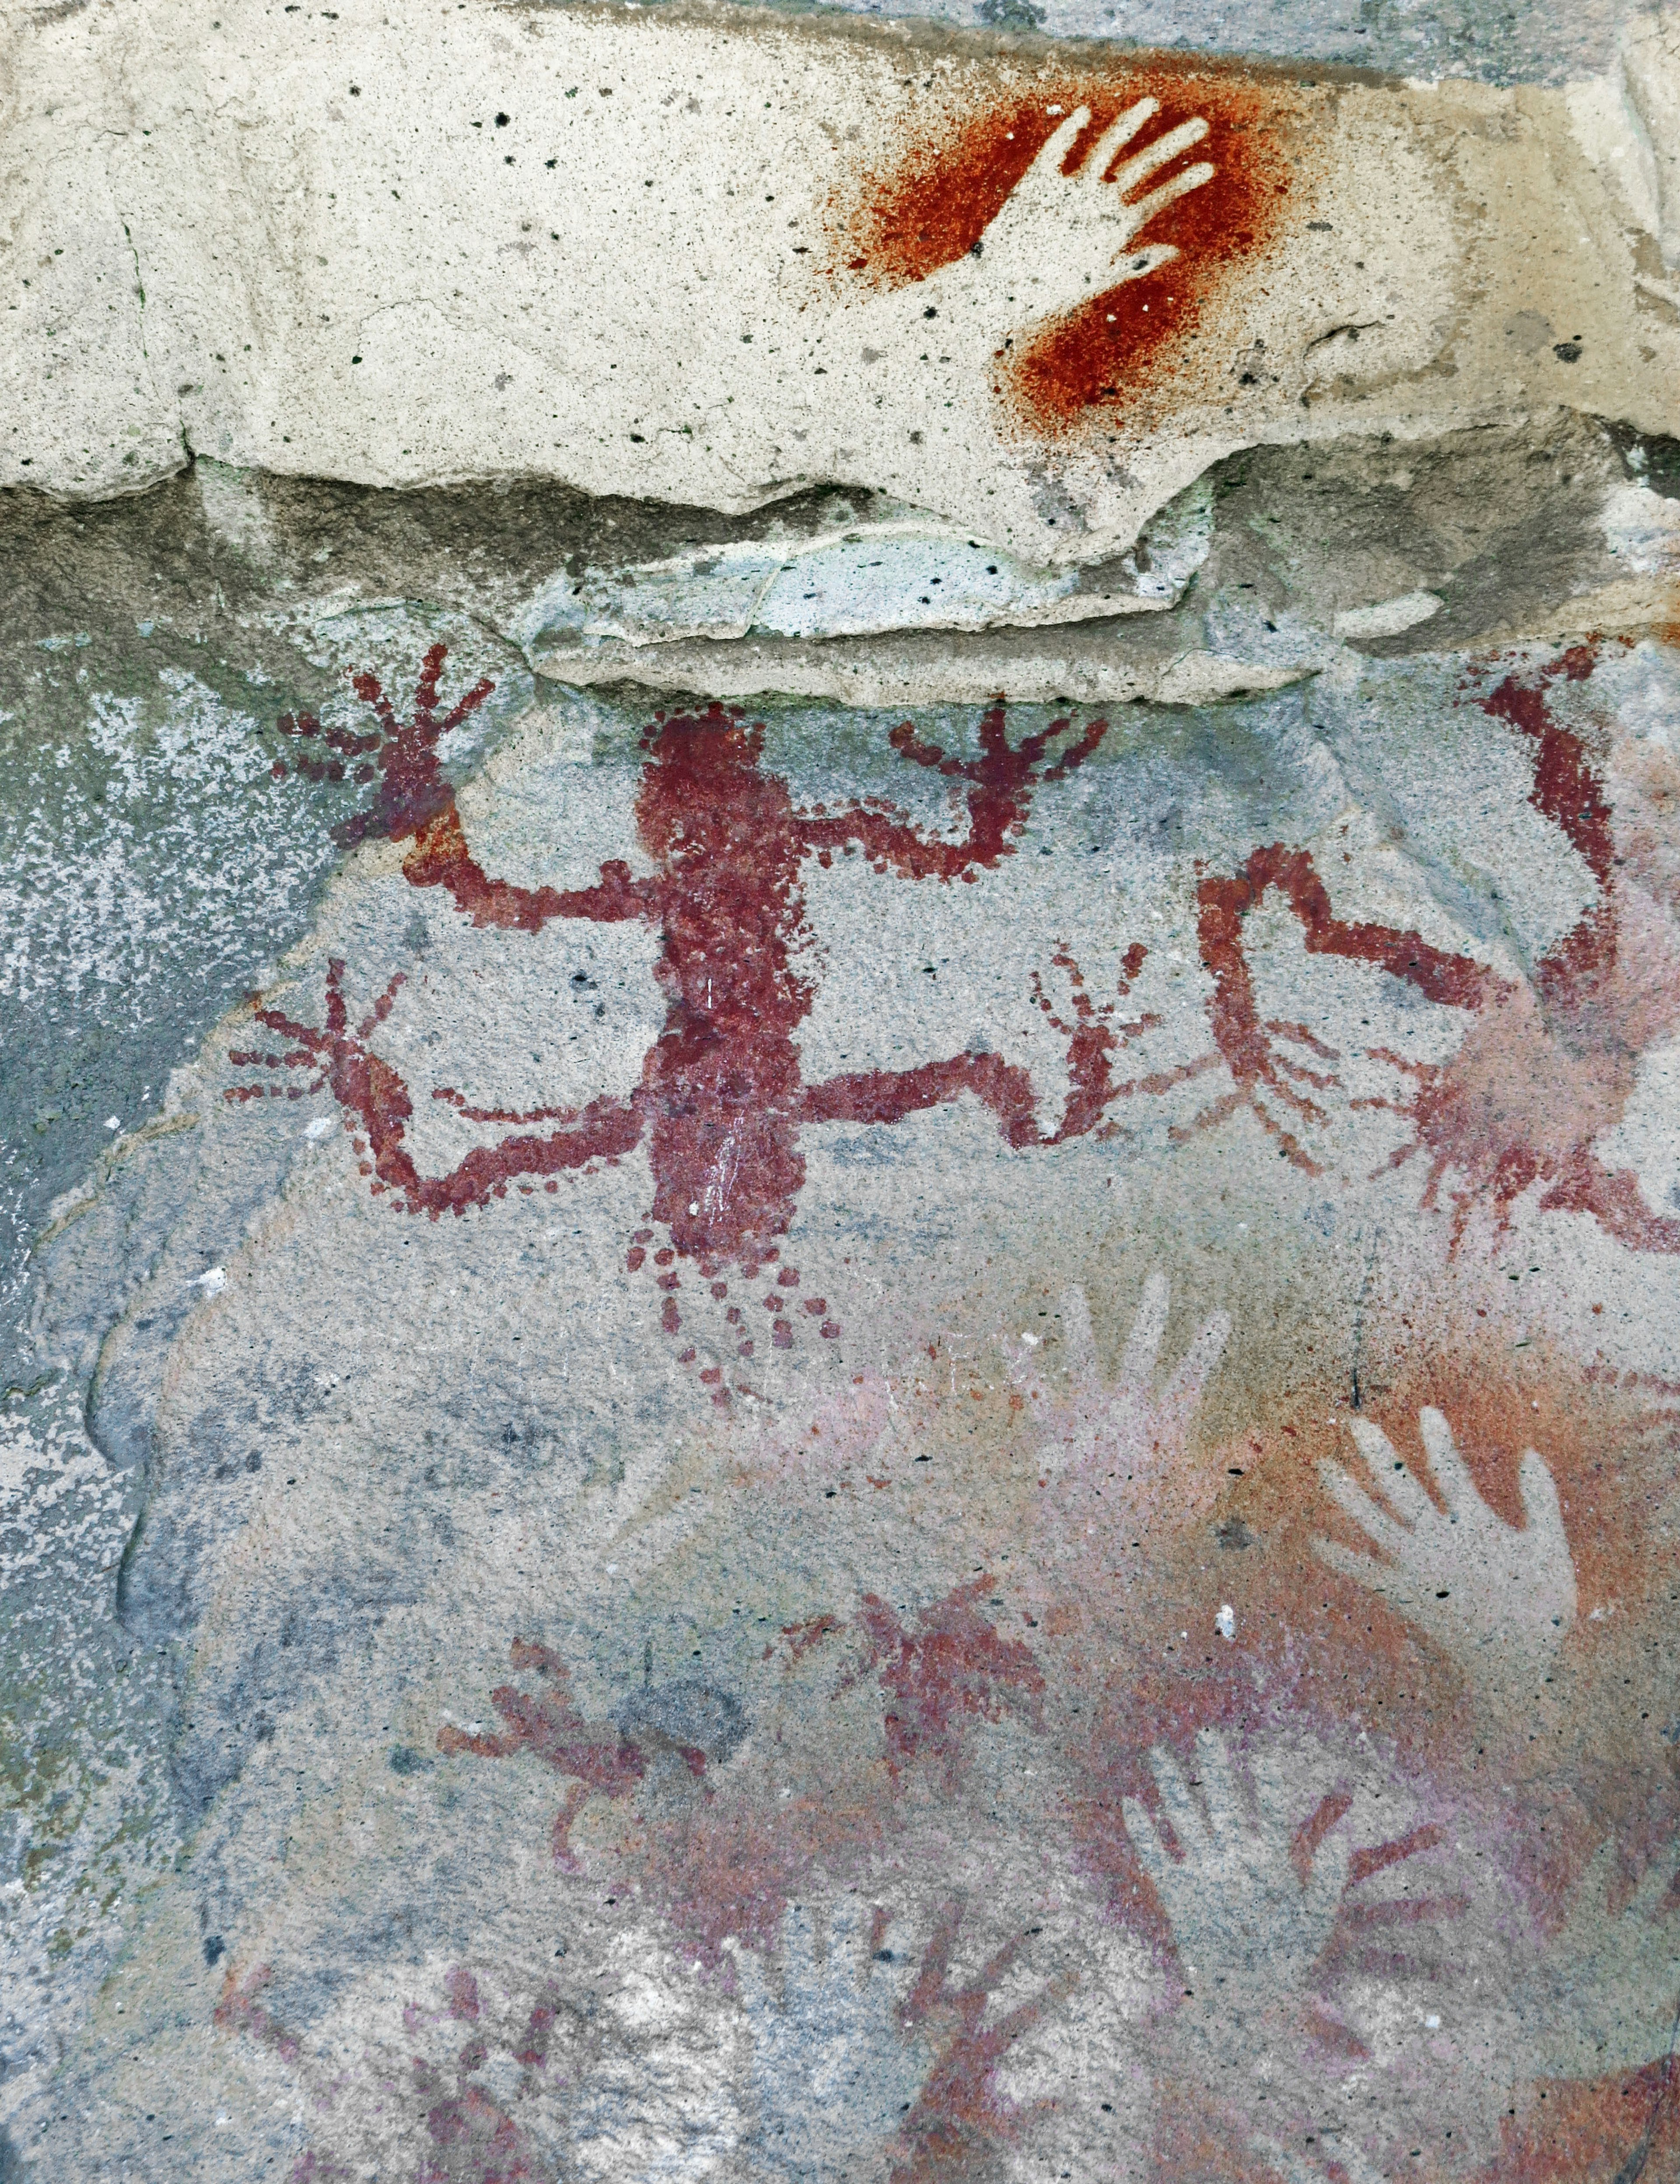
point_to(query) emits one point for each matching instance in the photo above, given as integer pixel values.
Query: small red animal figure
(596, 1757)
(721, 1102)
(953, 1670)
(1546, 1068)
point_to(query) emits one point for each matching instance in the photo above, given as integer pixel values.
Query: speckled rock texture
(840, 1081)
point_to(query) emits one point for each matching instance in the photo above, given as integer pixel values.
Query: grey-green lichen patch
(152, 868)
(85, 1813)
(151, 864)
(1480, 38)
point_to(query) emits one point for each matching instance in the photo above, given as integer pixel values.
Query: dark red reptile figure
(722, 1100)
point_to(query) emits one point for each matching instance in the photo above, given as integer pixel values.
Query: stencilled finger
(1184, 1390)
(1024, 1372)
(1274, 1792)
(1144, 210)
(749, 1978)
(1540, 1503)
(1119, 133)
(1451, 1474)
(1293, 2167)
(1401, 1488)
(1390, 1474)
(849, 1928)
(899, 1946)
(1142, 1344)
(1655, 1884)
(1328, 1879)
(1592, 1899)
(1296, 2168)
(1053, 152)
(1180, 1806)
(1081, 1343)
(1145, 1839)
(800, 1969)
(1142, 165)
(1364, 1570)
(1373, 1444)
(1357, 1505)
(1227, 1817)
(1134, 265)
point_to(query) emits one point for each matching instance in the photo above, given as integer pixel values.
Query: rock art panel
(841, 1095)
(1034, 293)
(915, 1459)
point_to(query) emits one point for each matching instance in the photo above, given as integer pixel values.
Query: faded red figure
(935, 1680)
(1547, 1067)
(593, 1756)
(722, 1100)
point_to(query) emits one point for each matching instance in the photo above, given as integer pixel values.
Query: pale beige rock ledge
(620, 250)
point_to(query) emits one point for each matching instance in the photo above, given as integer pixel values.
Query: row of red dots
(670, 1319)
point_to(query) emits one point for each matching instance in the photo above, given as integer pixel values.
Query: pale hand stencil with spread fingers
(1495, 1598)
(1615, 1980)
(834, 2064)
(1115, 1447)
(1246, 1927)
(1060, 238)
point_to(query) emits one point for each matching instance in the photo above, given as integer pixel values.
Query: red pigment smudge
(721, 1102)
(950, 183)
(313, 2168)
(238, 2010)
(1618, 2128)
(802, 1636)
(953, 1670)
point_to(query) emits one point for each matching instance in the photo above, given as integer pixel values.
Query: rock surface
(659, 253)
(842, 1309)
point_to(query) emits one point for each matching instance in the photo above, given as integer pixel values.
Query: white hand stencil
(1242, 1919)
(1497, 1599)
(1058, 238)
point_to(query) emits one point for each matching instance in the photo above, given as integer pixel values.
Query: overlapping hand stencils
(1116, 1448)
(835, 2067)
(1313, 1911)
(1497, 1600)
(1242, 1919)
(503, 2069)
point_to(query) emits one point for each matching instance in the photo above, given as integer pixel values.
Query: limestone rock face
(840, 931)
(664, 255)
